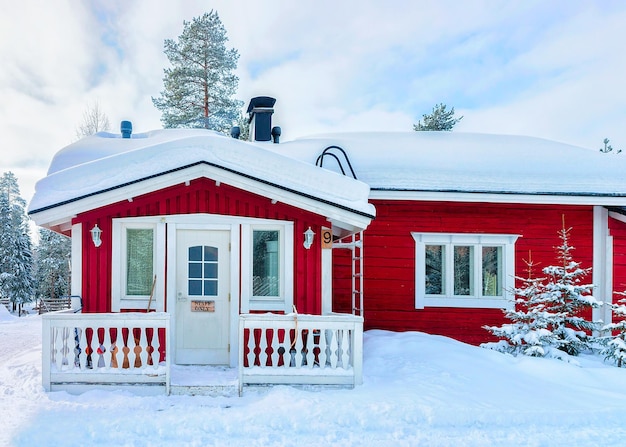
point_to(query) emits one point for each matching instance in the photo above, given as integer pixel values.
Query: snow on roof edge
(103, 163)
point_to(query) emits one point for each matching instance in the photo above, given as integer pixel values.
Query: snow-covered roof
(421, 163)
(104, 162)
(468, 163)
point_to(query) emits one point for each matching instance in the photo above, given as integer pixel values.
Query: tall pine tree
(16, 282)
(200, 86)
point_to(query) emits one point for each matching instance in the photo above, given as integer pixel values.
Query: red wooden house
(204, 228)
(458, 214)
(214, 234)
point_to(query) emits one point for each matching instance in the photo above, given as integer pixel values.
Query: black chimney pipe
(126, 127)
(260, 111)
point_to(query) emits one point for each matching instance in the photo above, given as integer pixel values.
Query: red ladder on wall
(355, 244)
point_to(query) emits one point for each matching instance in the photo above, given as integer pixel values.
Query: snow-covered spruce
(615, 343)
(52, 257)
(548, 318)
(16, 283)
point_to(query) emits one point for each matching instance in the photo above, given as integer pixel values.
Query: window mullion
(478, 271)
(449, 259)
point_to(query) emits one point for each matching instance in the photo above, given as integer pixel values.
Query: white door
(202, 297)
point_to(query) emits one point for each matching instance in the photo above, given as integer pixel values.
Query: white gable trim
(474, 197)
(77, 260)
(342, 218)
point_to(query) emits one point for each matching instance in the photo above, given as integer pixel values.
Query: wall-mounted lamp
(309, 235)
(95, 235)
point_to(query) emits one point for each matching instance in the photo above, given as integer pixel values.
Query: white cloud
(553, 69)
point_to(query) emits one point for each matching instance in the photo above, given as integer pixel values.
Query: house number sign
(203, 306)
(327, 238)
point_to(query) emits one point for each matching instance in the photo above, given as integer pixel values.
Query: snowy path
(21, 393)
(419, 390)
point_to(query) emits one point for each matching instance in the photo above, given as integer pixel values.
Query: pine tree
(615, 344)
(16, 281)
(199, 88)
(52, 257)
(548, 317)
(439, 119)
(528, 333)
(566, 295)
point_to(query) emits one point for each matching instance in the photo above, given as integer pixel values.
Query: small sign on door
(203, 306)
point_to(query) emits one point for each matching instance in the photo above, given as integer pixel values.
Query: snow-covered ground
(419, 390)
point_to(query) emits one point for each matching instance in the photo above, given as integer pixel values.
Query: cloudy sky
(552, 69)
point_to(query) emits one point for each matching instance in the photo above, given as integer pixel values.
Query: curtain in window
(265, 263)
(139, 261)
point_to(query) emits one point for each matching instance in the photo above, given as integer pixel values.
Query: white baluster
(133, 355)
(263, 348)
(310, 355)
(74, 340)
(82, 346)
(155, 348)
(56, 343)
(97, 357)
(275, 347)
(323, 347)
(299, 347)
(333, 348)
(345, 343)
(65, 348)
(106, 344)
(286, 345)
(59, 348)
(143, 343)
(114, 348)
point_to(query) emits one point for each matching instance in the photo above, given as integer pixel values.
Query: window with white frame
(137, 264)
(464, 270)
(267, 275)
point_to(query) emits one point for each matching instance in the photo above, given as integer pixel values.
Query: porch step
(201, 380)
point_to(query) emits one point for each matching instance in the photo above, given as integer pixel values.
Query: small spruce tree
(569, 298)
(528, 333)
(549, 313)
(615, 343)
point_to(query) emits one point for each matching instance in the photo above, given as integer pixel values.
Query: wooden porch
(130, 351)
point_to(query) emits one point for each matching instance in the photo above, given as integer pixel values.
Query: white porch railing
(300, 349)
(120, 349)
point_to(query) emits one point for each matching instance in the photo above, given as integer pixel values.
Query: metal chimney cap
(265, 102)
(276, 132)
(126, 127)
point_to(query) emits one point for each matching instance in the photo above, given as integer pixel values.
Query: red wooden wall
(201, 196)
(618, 231)
(389, 259)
